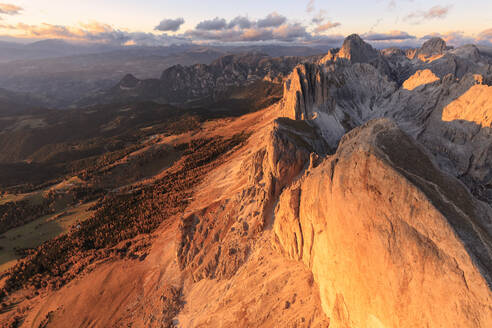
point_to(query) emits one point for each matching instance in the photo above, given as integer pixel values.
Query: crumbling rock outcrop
(338, 96)
(391, 240)
(430, 48)
(357, 51)
(437, 57)
(216, 240)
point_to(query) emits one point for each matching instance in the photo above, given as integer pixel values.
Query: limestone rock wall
(216, 240)
(391, 241)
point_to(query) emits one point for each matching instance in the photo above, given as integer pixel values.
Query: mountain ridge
(361, 196)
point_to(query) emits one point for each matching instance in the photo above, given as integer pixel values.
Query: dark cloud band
(9, 9)
(212, 25)
(170, 25)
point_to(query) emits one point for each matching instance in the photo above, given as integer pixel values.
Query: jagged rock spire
(356, 50)
(432, 47)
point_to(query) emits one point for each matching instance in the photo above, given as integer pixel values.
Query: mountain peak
(48, 42)
(356, 50)
(354, 38)
(433, 46)
(129, 81)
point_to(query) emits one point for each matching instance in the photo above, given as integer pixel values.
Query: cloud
(326, 26)
(272, 20)
(272, 28)
(319, 18)
(330, 41)
(486, 34)
(240, 29)
(310, 6)
(212, 24)
(47, 30)
(9, 9)
(290, 32)
(437, 12)
(170, 24)
(392, 4)
(242, 22)
(458, 38)
(485, 37)
(228, 35)
(253, 34)
(373, 26)
(390, 36)
(285, 33)
(433, 13)
(90, 32)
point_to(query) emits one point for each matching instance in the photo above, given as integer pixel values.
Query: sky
(161, 22)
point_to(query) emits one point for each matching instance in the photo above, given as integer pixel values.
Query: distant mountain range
(200, 84)
(12, 51)
(62, 73)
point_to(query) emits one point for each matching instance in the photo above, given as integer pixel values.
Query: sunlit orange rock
(391, 241)
(420, 78)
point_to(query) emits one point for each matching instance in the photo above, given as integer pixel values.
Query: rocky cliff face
(185, 84)
(212, 248)
(391, 234)
(392, 237)
(357, 51)
(338, 96)
(431, 48)
(391, 241)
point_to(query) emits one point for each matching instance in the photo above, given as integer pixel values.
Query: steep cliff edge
(339, 95)
(213, 264)
(236, 206)
(391, 241)
(336, 97)
(357, 51)
(431, 49)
